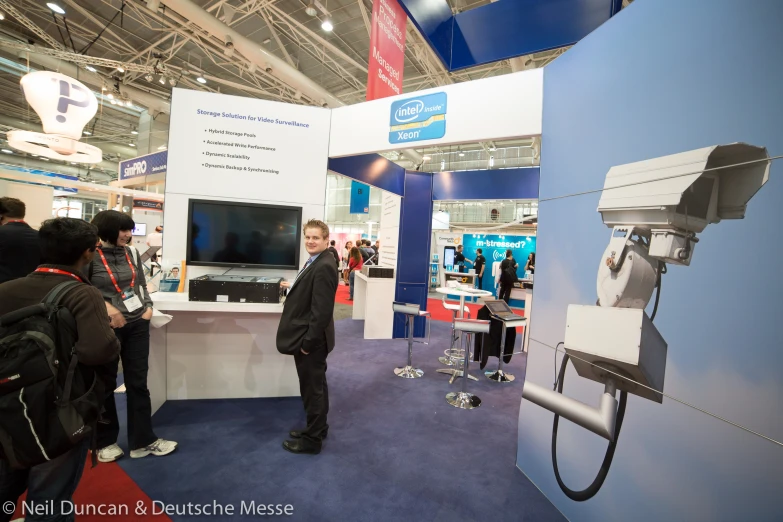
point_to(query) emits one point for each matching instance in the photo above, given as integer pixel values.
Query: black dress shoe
(297, 434)
(302, 446)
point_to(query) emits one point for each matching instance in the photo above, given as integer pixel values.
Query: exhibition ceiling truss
(142, 48)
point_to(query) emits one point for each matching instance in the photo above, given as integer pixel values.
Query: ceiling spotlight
(172, 82)
(87, 133)
(267, 41)
(134, 131)
(45, 159)
(2, 16)
(201, 79)
(461, 154)
(110, 96)
(128, 103)
(148, 77)
(8, 151)
(103, 87)
(326, 25)
(310, 9)
(162, 80)
(91, 68)
(492, 148)
(56, 8)
(426, 158)
(120, 69)
(114, 102)
(132, 144)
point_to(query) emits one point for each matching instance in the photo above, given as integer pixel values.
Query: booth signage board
(418, 119)
(146, 165)
(501, 107)
(387, 50)
(494, 248)
(448, 239)
(360, 198)
(148, 204)
(16, 168)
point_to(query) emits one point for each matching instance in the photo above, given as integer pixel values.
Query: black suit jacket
(308, 313)
(20, 251)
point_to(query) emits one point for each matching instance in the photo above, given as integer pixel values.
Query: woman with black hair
(118, 273)
(531, 263)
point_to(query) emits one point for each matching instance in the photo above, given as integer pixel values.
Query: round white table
(462, 293)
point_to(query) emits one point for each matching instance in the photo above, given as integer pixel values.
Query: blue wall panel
(510, 28)
(372, 169)
(434, 20)
(486, 184)
(413, 252)
(667, 76)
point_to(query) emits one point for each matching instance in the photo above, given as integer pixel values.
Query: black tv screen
(222, 233)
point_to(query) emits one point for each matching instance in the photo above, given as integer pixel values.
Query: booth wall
(659, 78)
(38, 200)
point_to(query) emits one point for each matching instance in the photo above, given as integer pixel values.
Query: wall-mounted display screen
(223, 233)
(140, 229)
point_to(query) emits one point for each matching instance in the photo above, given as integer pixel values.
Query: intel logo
(408, 111)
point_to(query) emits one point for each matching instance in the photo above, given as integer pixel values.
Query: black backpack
(508, 274)
(48, 403)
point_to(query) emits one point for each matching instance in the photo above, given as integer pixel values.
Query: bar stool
(467, 328)
(411, 311)
(499, 375)
(452, 356)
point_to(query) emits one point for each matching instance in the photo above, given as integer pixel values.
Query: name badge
(131, 302)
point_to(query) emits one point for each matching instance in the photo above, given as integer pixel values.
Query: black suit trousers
(311, 370)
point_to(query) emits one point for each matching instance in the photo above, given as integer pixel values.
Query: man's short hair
(159, 228)
(479, 251)
(459, 246)
(332, 243)
(12, 208)
(509, 253)
(110, 223)
(63, 240)
(317, 223)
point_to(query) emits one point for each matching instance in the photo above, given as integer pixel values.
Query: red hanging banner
(387, 49)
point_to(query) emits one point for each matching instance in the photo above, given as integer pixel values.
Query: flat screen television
(140, 230)
(243, 235)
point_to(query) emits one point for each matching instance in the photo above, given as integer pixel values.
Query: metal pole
(409, 321)
(467, 336)
(502, 349)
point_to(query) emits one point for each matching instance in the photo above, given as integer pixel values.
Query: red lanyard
(111, 275)
(59, 272)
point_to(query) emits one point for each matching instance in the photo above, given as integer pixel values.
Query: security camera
(229, 45)
(324, 104)
(655, 208)
(268, 68)
(671, 198)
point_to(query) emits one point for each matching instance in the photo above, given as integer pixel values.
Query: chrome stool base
(499, 376)
(408, 372)
(448, 361)
(463, 400)
(454, 374)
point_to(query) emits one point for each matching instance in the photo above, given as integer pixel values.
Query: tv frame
(192, 202)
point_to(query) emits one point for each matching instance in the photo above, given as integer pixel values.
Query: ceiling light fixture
(162, 80)
(149, 77)
(326, 25)
(8, 151)
(310, 9)
(132, 144)
(426, 158)
(172, 82)
(2, 16)
(87, 133)
(267, 41)
(201, 79)
(120, 69)
(56, 8)
(114, 102)
(134, 131)
(110, 96)
(91, 68)
(128, 103)
(461, 154)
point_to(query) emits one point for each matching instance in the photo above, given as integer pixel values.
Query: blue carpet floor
(396, 450)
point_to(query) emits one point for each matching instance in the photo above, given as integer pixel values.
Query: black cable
(68, 31)
(661, 271)
(87, 47)
(590, 491)
(57, 24)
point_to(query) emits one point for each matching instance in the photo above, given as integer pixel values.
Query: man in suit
(306, 331)
(20, 252)
(335, 254)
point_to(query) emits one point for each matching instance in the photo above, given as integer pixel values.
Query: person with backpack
(508, 276)
(52, 314)
(118, 273)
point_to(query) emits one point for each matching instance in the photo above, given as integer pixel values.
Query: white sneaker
(158, 448)
(110, 453)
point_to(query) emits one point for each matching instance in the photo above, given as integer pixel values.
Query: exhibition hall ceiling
(138, 50)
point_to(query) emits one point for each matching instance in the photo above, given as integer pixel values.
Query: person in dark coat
(20, 251)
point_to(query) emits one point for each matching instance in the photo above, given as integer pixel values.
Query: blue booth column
(413, 252)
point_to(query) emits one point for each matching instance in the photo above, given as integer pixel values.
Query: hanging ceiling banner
(387, 50)
(360, 198)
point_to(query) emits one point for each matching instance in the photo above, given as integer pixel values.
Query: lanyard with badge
(59, 272)
(129, 299)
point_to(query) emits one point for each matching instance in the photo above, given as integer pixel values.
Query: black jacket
(20, 251)
(488, 345)
(308, 313)
(335, 254)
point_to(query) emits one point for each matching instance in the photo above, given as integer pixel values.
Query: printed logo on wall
(417, 119)
(360, 198)
(148, 204)
(494, 248)
(448, 239)
(155, 163)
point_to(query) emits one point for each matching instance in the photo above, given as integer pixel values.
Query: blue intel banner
(360, 198)
(144, 165)
(417, 119)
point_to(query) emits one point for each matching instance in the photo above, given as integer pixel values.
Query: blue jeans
(350, 282)
(53, 481)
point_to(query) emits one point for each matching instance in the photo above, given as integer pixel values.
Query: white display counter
(217, 351)
(372, 302)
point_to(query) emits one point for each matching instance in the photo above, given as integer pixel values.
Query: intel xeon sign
(144, 165)
(419, 118)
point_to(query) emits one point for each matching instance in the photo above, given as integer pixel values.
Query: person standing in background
(346, 257)
(155, 239)
(306, 331)
(479, 265)
(354, 263)
(118, 273)
(508, 276)
(20, 251)
(530, 266)
(459, 259)
(335, 253)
